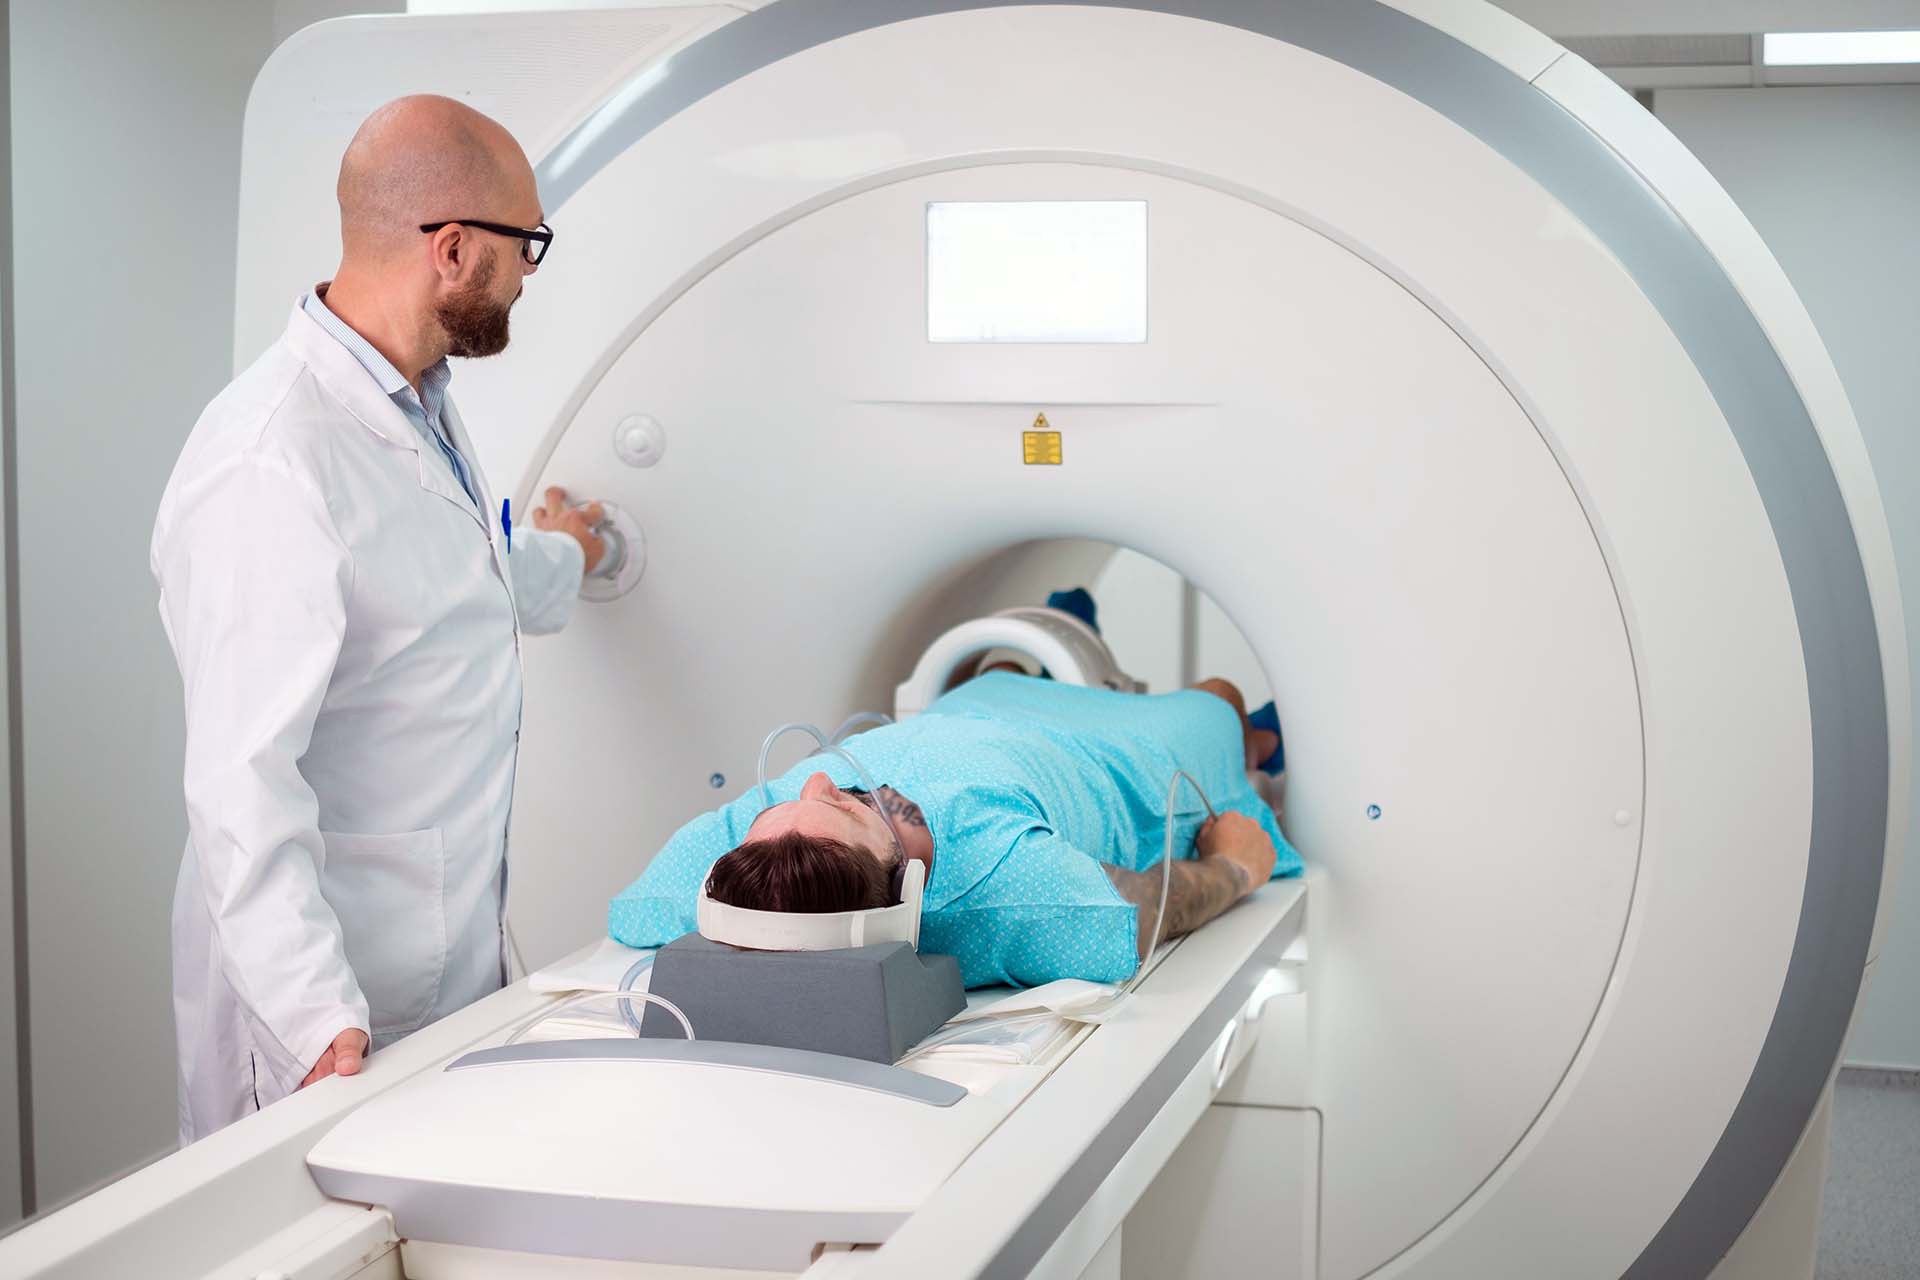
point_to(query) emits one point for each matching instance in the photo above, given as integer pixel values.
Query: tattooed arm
(1200, 891)
(1236, 857)
(900, 809)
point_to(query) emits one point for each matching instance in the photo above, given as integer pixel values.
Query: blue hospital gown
(1028, 786)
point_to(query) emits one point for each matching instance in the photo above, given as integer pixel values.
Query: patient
(1039, 809)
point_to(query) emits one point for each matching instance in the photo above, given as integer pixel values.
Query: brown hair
(795, 872)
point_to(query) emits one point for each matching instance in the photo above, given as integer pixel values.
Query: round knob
(613, 558)
(639, 440)
(625, 561)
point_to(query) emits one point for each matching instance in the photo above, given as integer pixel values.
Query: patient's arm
(1235, 858)
(1200, 891)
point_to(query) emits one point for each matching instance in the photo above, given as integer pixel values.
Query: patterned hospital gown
(1028, 786)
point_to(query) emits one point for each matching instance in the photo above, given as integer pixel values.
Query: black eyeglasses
(533, 243)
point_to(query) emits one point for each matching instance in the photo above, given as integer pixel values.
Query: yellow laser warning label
(1040, 448)
(1040, 422)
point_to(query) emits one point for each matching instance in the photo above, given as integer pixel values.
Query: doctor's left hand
(577, 523)
(342, 1057)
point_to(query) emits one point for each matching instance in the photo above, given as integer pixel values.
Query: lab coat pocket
(388, 892)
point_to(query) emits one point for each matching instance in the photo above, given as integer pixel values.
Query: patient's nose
(818, 787)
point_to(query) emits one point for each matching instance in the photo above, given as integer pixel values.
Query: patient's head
(829, 850)
(795, 872)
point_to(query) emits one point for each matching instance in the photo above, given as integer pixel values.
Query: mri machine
(1452, 378)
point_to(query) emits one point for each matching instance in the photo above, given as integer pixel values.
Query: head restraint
(817, 930)
(1067, 648)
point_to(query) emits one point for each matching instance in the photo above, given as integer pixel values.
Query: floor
(1870, 1213)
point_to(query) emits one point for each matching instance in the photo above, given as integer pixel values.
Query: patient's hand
(1239, 841)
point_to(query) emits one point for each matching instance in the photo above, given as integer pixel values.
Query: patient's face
(825, 810)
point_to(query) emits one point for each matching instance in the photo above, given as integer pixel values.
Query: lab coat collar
(348, 381)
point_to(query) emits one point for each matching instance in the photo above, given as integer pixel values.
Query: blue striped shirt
(426, 410)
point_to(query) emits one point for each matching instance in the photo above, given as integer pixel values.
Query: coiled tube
(962, 1030)
(856, 722)
(831, 748)
(627, 1015)
(1166, 870)
(575, 1002)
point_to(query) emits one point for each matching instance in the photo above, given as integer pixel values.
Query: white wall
(1831, 177)
(11, 1172)
(125, 127)
(126, 137)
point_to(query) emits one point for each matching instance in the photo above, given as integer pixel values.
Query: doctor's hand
(342, 1057)
(576, 522)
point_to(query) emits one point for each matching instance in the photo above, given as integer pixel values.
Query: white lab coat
(347, 627)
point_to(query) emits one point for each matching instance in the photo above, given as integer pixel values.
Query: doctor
(346, 613)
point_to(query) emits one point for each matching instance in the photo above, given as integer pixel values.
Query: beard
(474, 323)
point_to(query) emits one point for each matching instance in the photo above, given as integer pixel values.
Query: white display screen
(1037, 271)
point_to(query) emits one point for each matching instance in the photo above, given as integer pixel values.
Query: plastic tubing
(855, 723)
(623, 996)
(627, 1015)
(959, 1032)
(1166, 871)
(866, 779)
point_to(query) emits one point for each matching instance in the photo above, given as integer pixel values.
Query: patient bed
(651, 1167)
(749, 1158)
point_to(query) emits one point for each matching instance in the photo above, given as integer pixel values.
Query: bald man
(346, 613)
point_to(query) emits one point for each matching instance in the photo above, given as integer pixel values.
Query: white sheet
(597, 969)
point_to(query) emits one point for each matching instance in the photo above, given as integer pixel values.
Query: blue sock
(1077, 601)
(1268, 717)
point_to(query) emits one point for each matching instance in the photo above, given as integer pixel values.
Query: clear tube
(627, 1015)
(960, 1030)
(576, 1001)
(866, 779)
(856, 722)
(1166, 872)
